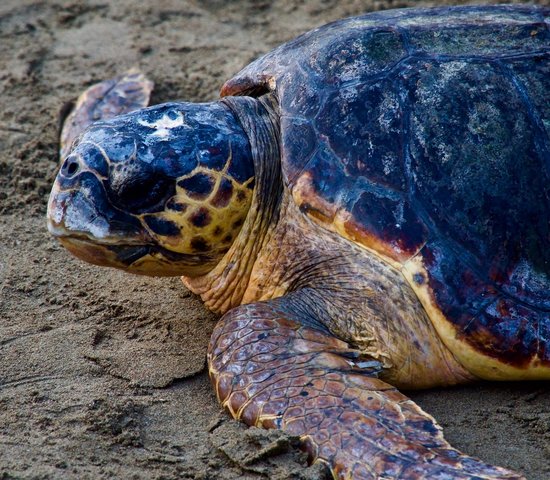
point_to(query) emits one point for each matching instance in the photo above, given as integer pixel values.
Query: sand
(102, 374)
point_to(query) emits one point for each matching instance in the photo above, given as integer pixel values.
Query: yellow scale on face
(209, 218)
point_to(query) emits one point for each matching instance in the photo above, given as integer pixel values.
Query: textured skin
(432, 128)
(332, 284)
(271, 371)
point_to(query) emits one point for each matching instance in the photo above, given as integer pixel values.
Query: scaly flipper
(123, 94)
(270, 370)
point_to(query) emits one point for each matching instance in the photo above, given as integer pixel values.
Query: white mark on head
(164, 124)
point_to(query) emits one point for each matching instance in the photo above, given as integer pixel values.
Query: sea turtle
(368, 205)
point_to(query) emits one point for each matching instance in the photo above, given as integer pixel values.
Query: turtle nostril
(70, 167)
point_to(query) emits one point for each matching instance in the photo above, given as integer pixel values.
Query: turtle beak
(85, 222)
(79, 207)
(71, 214)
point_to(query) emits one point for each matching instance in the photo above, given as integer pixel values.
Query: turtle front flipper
(123, 94)
(271, 369)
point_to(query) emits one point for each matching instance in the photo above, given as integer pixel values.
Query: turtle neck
(224, 286)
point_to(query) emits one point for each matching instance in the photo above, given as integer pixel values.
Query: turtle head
(159, 191)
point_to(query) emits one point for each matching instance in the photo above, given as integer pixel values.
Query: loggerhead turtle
(369, 207)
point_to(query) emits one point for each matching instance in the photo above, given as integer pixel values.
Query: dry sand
(102, 374)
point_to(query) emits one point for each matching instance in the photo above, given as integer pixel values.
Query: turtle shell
(423, 135)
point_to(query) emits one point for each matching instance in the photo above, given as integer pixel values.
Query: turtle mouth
(104, 251)
(114, 239)
(61, 232)
(84, 220)
(88, 235)
(139, 258)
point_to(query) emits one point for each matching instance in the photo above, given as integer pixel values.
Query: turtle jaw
(147, 260)
(123, 244)
(139, 258)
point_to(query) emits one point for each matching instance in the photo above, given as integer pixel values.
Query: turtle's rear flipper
(270, 370)
(107, 99)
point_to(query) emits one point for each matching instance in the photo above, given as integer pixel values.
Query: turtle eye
(147, 192)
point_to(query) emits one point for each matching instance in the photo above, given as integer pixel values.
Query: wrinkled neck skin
(224, 286)
(337, 287)
(330, 283)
